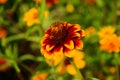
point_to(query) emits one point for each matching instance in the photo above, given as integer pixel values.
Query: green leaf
(100, 3)
(27, 57)
(92, 79)
(15, 65)
(15, 50)
(40, 59)
(8, 52)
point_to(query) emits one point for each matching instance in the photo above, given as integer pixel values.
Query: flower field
(59, 40)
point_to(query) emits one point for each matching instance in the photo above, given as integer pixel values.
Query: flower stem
(53, 73)
(117, 65)
(77, 70)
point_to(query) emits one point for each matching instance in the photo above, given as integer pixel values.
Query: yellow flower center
(35, 15)
(58, 32)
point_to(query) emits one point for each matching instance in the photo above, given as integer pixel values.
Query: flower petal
(49, 47)
(80, 64)
(74, 28)
(58, 51)
(74, 35)
(78, 43)
(69, 44)
(71, 70)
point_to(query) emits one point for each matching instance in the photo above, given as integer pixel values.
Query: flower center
(35, 15)
(66, 62)
(58, 32)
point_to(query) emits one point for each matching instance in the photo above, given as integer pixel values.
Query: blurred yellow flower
(89, 31)
(106, 31)
(70, 8)
(67, 66)
(46, 13)
(42, 76)
(31, 16)
(61, 39)
(3, 1)
(112, 69)
(110, 43)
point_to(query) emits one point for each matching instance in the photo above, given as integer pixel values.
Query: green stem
(77, 70)
(53, 73)
(116, 65)
(15, 37)
(16, 67)
(42, 9)
(26, 67)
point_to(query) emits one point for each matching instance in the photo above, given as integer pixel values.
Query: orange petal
(49, 47)
(69, 44)
(75, 28)
(78, 43)
(58, 51)
(67, 52)
(74, 35)
(80, 63)
(71, 70)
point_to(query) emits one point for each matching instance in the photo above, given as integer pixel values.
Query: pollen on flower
(61, 38)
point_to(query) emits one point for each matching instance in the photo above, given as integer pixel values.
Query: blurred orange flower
(112, 69)
(4, 68)
(89, 31)
(3, 1)
(48, 2)
(91, 1)
(110, 43)
(67, 66)
(3, 32)
(42, 76)
(31, 17)
(106, 31)
(61, 38)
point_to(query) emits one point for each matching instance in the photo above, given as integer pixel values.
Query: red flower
(51, 2)
(2, 62)
(3, 32)
(48, 2)
(91, 1)
(61, 39)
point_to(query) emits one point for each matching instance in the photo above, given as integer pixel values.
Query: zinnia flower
(40, 76)
(31, 17)
(106, 31)
(110, 43)
(3, 32)
(67, 66)
(61, 38)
